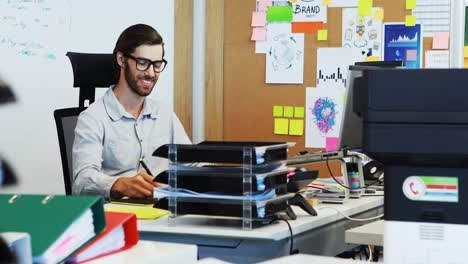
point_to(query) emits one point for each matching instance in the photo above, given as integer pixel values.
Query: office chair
(89, 71)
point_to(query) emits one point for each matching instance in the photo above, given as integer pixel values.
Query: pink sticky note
(331, 144)
(258, 19)
(263, 4)
(440, 41)
(411, 55)
(258, 33)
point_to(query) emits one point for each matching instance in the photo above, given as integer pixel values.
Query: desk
(152, 252)
(301, 258)
(223, 238)
(369, 234)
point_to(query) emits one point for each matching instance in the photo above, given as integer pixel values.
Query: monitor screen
(351, 123)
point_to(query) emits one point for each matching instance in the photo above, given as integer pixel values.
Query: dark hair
(133, 37)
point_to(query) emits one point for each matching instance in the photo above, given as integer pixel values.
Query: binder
(114, 220)
(53, 222)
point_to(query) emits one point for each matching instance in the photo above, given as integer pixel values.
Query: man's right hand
(138, 186)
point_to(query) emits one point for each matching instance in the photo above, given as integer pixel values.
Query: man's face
(142, 82)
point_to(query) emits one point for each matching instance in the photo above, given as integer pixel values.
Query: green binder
(47, 218)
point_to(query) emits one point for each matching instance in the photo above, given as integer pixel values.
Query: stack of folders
(58, 225)
(327, 190)
(121, 233)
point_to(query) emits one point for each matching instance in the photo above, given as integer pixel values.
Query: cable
(291, 236)
(354, 219)
(370, 253)
(344, 186)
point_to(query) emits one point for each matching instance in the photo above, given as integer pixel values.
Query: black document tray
(227, 152)
(225, 207)
(228, 180)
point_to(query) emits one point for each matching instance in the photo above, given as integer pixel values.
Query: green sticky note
(299, 112)
(281, 126)
(296, 127)
(322, 34)
(288, 111)
(365, 8)
(279, 14)
(278, 110)
(410, 21)
(410, 4)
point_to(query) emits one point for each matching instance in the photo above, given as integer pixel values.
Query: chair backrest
(65, 120)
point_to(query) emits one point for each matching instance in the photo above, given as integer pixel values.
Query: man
(124, 126)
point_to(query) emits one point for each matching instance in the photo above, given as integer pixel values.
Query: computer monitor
(351, 123)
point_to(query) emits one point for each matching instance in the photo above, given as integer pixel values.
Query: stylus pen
(142, 162)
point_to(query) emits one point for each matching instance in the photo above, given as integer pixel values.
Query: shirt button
(136, 124)
(141, 140)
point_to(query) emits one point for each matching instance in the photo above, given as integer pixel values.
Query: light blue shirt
(109, 142)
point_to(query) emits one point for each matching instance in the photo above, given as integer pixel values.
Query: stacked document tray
(239, 174)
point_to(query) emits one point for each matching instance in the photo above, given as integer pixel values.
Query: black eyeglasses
(143, 64)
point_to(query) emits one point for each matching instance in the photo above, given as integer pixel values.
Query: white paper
(362, 33)
(284, 55)
(437, 59)
(333, 66)
(309, 10)
(343, 3)
(324, 108)
(261, 47)
(434, 15)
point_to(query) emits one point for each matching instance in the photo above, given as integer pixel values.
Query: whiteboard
(34, 37)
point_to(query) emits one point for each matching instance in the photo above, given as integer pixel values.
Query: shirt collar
(116, 111)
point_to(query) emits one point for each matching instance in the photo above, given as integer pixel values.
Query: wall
(34, 37)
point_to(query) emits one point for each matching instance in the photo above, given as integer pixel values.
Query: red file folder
(113, 221)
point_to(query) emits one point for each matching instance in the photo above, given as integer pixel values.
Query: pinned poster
(398, 39)
(284, 55)
(362, 33)
(437, 59)
(333, 65)
(309, 10)
(324, 109)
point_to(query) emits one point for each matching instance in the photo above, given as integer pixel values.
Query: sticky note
(288, 111)
(258, 33)
(410, 4)
(372, 58)
(281, 126)
(292, 1)
(465, 63)
(258, 19)
(365, 7)
(146, 213)
(440, 41)
(379, 15)
(411, 55)
(306, 27)
(279, 14)
(331, 144)
(410, 21)
(264, 4)
(278, 110)
(299, 112)
(465, 52)
(326, 2)
(296, 127)
(322, 34)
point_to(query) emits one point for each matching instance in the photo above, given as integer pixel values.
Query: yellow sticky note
(296, 127)
(372, 58)
(292, 1)
(278, 110)
(410, 21)
(379, 15)
(465, 52)
(299, 112)
(365, 7)
(326, 2)
(288, 111)
(410, 4)
(322, 34)
(281, 126)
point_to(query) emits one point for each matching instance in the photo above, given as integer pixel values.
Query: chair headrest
(6, 94)
(92, 70)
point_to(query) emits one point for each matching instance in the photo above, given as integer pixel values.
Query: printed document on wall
(437, 59)
(333, 65)
(434, 15)
(324, 109)
(309, 10)
(362, 32)
(284, 55)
